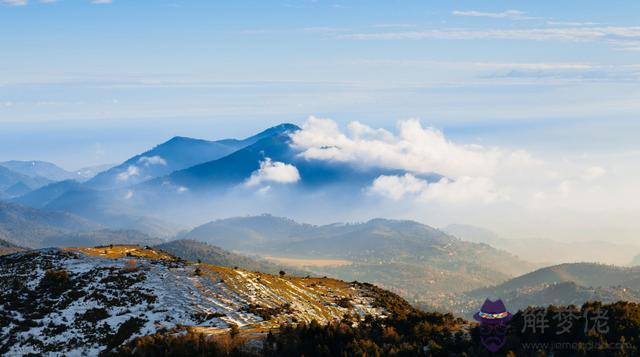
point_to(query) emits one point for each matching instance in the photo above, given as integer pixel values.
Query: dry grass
(121, 251)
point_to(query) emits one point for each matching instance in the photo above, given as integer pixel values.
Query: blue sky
(89, 82)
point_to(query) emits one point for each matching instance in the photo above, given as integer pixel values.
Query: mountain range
(153, 196)
(183, 179)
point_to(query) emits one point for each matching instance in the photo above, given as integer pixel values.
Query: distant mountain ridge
(236, 168)
(584, 274)
(175, 154)
(29, 227)
(548, 251)
(10, 180)
(564, 284)
(36, 168)
(183, 178)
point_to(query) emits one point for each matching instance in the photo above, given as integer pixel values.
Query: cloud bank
(473, 174)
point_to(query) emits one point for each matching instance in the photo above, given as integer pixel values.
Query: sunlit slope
(87, 300)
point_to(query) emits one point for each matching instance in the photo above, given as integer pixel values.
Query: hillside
(29, 227)
(417, 261)
(251, 233)
(11, 181)
(197, 251)
(584, 274)
(42, 196)
(90, 300)
(564, 284)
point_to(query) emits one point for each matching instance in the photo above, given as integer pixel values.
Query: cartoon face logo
(494, 322)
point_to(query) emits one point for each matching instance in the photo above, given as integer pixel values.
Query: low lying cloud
(464, 190)
(131, 171)
(152, 160)
(273, 172)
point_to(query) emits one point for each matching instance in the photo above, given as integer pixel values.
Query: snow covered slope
(88, 300)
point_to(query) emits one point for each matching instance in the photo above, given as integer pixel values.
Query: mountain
(548, 251)
(235, 169)
(29, 227)
(42, 169)
(250, 233)
(41, 197)
(417, 261)
(92, 300)
(9, 178)
(197, 251)
(188, 194)
(9, 248)
(18, 189)
(175, 154)
(584, 274)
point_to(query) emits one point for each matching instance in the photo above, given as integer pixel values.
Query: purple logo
(494, 322)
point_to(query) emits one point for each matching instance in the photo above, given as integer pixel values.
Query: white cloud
(466, 189)
(152, 160)
(273, 171)
(615, 35)
(416, 149)
(398, 187)
(128, 195)
(131, 171)
(536, 66)
(14, 2)
(473, 174)
(182, 189)
(508, 14)
(101, 1)
(571, 23)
